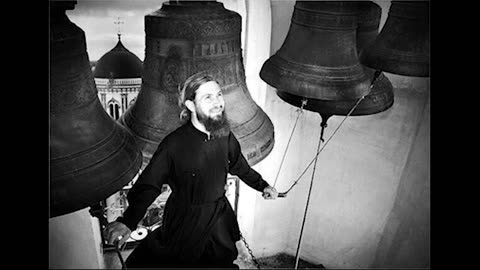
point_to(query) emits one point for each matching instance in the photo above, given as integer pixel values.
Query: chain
(250, 251)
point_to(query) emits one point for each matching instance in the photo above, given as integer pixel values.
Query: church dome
(118, 63)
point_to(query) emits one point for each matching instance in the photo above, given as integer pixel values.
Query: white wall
(75, 241)
(405, 241)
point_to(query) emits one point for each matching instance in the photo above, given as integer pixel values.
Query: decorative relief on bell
(173, 68)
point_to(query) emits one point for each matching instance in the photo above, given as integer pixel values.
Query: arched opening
(114, 109)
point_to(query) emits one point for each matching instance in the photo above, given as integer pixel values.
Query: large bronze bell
(318, 58)
(403, 45)
(379, 99)
(381, 95)
(183, 38)
(91, 156)
(369, 15)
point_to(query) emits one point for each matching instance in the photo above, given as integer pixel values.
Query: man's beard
(217, 127)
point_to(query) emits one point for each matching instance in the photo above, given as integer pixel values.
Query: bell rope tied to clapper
(284, 194)
(314, 161)
(328, 77)
(323, 125)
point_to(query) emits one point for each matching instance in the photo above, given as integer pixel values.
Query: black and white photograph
(239, 134)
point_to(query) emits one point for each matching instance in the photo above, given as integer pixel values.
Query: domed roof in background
(119, 62)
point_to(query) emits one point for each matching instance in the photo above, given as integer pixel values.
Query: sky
(96, 18)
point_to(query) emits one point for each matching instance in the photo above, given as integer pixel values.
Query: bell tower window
(114, 109)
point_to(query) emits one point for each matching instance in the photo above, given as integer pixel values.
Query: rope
(323, 125)
(300, 111)
(376, 74)
(324, 145)
(306, 207)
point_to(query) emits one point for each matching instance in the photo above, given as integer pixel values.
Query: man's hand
(116, 233)
(270, 193)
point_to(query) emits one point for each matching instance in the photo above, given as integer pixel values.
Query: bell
(378, 100)
(91, 156)
(381, 95)
(318, 58)
(183, 38)
(369, 15)
(403, 45)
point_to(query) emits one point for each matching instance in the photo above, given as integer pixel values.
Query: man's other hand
(116, 233)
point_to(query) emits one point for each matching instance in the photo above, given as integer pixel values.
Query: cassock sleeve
(239, 166)
(147, 187)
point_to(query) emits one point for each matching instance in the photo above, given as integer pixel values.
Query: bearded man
(199, 226)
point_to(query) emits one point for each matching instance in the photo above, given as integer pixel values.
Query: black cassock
(199, 225)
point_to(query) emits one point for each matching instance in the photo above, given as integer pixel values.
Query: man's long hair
(187, 91)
